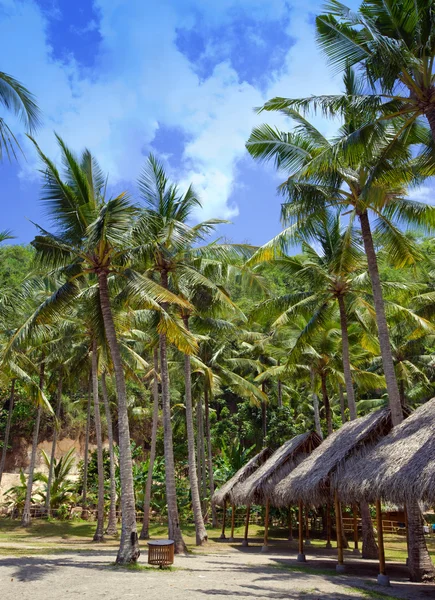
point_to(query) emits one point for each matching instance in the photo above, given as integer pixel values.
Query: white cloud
(142, 79)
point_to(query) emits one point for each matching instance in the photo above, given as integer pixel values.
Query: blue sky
(176, 77)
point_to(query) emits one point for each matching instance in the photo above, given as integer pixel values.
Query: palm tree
(144, 534)
(374, 182)
(392, 42)
(111, 528)
(14, 97)
(90, 240)
(329, 174)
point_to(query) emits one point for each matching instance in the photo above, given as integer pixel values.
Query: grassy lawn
(48, 537)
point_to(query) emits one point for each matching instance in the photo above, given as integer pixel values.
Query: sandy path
(234, 574)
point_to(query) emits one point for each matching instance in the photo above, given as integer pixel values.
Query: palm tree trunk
(279, 394)
(174, 530)
(419, 561)
(369, 545)
(26, 519)
(346, 358)
(200, 531)
(111, 528)
(53, 445)
(203, 478)
(383, 333)
(264, 414)
(342, 404)
(129, 547)
(326, 403)
(99, 532)
(8, 429)
(316, 407)
(144, 534)
(86, 457)
(214, 520)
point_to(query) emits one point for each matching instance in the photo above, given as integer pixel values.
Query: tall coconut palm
(374, 182)
(144, 534)
(111, 528)
(90, 239)
(17, 99)
(322, 174)
(392, 42)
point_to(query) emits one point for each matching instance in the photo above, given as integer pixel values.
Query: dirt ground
(231, 572)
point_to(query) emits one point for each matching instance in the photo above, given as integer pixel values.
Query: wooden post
(233, 520)
(301, 555)
(245, 539)
(224, 521)
(383, 578)
(307, 529)
(355, 529)
(266, 527)
(328, 525)
(340, 564)
(290, 528)
(407, 533)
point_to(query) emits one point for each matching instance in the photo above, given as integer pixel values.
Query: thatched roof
(314, 480)
(225, 493)
(401, 466)
(260, 485)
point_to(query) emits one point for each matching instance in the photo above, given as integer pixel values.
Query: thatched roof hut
(225, 493)
(401, 466)
(259, 486)
(314, 481)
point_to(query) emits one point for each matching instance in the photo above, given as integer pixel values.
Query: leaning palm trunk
(342, 404)
(144, 534)
(99, 532)
(111, 528)
(53, 446)
(346, 358)
(129, 547)
(86, 457)
(174, 530)
(8, 429)
(26, 519)
(384, 337)
(369, 545)
(420, 564)
(214, 520)
(200, 531)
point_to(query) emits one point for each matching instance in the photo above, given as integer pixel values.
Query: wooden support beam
(340, 553)
(328, 525)
(266, 527)
(233, 520)
(301, 555)
(224, 522)
(245, 539)
(290, 525)
(355, 529)
(383, 578)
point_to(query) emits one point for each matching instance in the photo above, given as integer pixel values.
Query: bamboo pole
(233, 519)
(340, 562)
(224, 522)
(328, 525)
(245, 539)
(301, 555)
(265, 547)
(355, 529)
(383, 578)
(407, 533)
